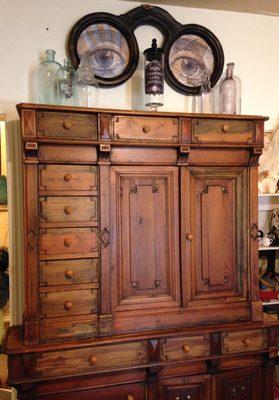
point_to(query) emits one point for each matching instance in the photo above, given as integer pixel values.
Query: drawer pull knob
(146, 129)
(67, 124)
(186, 348)
(68, 305)
(189, 237)
(130, 397)
(246, 342)
(69, 274)
(225, 128)
(67, 242)
(92, 360)
(68, 210)
(68, 177)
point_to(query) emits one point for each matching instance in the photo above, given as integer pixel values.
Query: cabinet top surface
(47, 107)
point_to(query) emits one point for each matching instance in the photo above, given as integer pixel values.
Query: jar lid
(153, 52)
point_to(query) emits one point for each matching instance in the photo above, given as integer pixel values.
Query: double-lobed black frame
(166, 24)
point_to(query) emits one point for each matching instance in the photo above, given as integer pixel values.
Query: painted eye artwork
(190, 59)
(106, 48)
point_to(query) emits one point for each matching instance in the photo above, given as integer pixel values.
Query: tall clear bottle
(206, 96)
(47, 79)
(228, 92)
(87, 85)
(67, 84)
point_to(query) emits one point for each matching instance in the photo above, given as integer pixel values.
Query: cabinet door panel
(144, 203)
(214, 211)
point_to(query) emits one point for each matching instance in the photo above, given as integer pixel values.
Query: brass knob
(67, 124)
(68, 305)
(69, 274)
(92, 360)
(246, 341)
(146, 129)
(68, 210)
(225, 128)
(189, 237)
(130, 397)
(67, 177)
(186, 348)
(67, 242)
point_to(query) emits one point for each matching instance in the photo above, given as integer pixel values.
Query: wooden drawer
(181, 348)
(242, 341)
(66, 210)
(69, 302)
(68, 272)
(146, 128)
(68, 243)
(65, 154)
(52, 124)
(99, 358)
(81, 179)
(222, 131)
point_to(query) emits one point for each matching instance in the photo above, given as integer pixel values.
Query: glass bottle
(47, 79)
(154, 76)
(228, 92)
(206, 96)
(67, 84)
(87, 85)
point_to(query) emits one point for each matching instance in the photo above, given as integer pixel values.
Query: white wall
(251, 41)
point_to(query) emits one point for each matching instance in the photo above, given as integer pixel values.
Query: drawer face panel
(69, 209)
(65, 154)
(146, 128)
(52, 124)
(99, 358)
(81, 178)
(222, 131)
(53, 331)
(68, 242)
(68, 272)
(242, 341)
(185, 347)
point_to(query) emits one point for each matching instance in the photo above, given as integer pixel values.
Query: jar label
(154, 78)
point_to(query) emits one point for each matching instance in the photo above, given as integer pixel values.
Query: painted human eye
(107, 61)
(187, 70)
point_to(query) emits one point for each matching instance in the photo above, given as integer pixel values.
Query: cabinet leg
(268, 379)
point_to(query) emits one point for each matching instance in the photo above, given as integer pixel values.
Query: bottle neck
(229, 71)
(50, 55)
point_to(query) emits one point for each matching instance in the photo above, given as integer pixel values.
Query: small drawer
(59, 179)
(222, 131)
(181, 348)
(146, 128)
(64, 154)
(242, 341)
(68, 243)
(67, 210)
(76, 126)
(68, 272)
(99, 358)
(68, 303)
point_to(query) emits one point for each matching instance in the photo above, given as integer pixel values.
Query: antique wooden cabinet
(141, 258)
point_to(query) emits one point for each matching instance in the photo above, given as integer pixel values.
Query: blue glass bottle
(47, 79)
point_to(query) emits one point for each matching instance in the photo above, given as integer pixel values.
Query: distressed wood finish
(141, 258)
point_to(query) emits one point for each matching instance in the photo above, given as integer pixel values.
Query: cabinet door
(242, 384)
(214, 234)
(145, 226)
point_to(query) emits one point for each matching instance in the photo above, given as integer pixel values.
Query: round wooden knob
(146, 129)
(67, 177)
(189, 237)
(225, 128)
(68, 305)
(68, 242)
(69, 274)
(186, 348)
(68, 210)
(130, 397)
(246, 341)
(67, 124)
(92, 360)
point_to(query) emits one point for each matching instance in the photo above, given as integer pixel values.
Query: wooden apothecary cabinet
(140, 258)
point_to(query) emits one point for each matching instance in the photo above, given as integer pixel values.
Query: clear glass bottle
(228, 92)
(154, 76)
(87, 85)
(67, 84)
(206, 96)
(47, 79)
